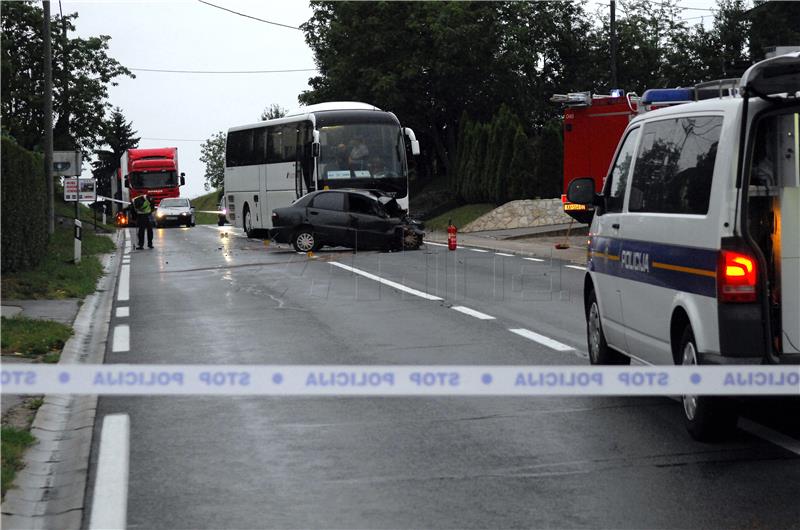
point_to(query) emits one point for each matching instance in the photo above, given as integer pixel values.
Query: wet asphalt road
(448, 462)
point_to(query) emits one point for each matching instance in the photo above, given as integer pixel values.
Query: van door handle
(314, 213)
(615, 226)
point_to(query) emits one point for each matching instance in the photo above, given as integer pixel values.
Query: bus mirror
(183, 179)
(315, 149)
(414, 143)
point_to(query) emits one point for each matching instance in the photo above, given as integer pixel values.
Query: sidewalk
(521, 241)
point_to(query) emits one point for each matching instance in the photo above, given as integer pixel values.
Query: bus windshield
(154, 179)
(363, 156)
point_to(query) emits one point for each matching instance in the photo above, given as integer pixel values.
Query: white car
(692, 261)
(175, 212)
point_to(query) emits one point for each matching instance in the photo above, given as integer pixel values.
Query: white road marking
(504, 254)
(124, 289)
(122, 338)
(541, 339)
(435, 244)
(576, 267)
(472, 312)
(389, 283)
(478, 250)
(533, 259)
(781, 440)
(110, 500)
(123, 312)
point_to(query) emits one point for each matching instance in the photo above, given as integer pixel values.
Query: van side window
(675, 166)
(618, 178)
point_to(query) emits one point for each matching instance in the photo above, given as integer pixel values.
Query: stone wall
(520, 214)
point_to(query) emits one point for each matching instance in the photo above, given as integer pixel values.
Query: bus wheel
(304, 240)
(247, 222)
(708, 418)
(599, 350)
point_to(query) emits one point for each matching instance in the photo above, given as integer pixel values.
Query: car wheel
(708, 418)
(599, 350)
(304, 240)
(411, 240)
(247, 222)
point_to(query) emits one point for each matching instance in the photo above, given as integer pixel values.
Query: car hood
(173, 210)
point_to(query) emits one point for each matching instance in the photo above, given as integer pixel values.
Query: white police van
(694, 250)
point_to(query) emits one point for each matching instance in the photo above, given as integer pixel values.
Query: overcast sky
(178, 109)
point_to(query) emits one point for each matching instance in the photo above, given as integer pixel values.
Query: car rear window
(329, 201)
(675, 166)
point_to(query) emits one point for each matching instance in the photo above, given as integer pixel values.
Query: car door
(329, 219)
(606, 241)
(369, 224)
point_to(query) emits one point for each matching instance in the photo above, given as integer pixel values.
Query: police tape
(405, 380)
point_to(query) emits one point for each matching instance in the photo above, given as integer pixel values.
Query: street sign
(67, 163)
(80, 189)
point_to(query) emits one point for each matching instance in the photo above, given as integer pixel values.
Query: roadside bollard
(452, 239)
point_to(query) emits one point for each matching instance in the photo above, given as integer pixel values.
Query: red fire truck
(593, 125)
(151, 171)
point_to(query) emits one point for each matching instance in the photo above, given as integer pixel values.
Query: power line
(172, 139)
(222, 71)
(249, 16)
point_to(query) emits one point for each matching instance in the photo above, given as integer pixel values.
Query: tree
(273, 111)
(82, 72)
(119, 136)
(212, 154)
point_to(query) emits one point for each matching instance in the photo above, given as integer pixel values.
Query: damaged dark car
(360, 219)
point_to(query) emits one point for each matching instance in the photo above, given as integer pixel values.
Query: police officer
(143, 206)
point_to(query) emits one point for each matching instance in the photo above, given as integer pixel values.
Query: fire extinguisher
(451, 235)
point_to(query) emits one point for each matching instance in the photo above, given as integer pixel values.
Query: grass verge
(56, 276)
(209, 202)
(461, 216)
(33, 337)
(67, 209)
(12, 446)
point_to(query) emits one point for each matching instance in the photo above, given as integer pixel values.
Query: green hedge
(24, 207)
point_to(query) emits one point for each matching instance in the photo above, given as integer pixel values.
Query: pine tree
(119, 136)
(521, 168)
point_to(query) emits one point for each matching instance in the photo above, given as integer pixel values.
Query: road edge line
(110, 497)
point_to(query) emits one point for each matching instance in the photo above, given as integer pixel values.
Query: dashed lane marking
(388, 283)
(123, 292)
(123, 312)
(504, 254)
(533, 259)
(541, 339)
(576, 267)
(472, 312)
(478, 250)
(122, 338)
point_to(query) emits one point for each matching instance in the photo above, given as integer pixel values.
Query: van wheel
(599, 350)
(304, 240)
(247, 222)
(708, 418)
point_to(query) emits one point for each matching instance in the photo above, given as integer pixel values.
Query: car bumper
(281, 234)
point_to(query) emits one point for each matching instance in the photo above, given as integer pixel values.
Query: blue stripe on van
(686, 269)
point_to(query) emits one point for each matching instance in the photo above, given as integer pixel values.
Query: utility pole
(613, 29)
(48, 118)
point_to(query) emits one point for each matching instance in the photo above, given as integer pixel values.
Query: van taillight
(736, 277)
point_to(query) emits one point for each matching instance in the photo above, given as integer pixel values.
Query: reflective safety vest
(142, 205)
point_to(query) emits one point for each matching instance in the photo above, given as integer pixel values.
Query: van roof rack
(718, 88)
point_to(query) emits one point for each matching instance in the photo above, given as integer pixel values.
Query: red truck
(151, 171)
(593, 125)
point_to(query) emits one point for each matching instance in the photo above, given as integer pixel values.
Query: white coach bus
(334, 145)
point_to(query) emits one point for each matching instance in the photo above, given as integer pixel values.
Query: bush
(24, 211)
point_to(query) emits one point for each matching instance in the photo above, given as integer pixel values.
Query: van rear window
(675, 166)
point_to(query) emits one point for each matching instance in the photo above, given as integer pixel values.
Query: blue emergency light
(667, 95)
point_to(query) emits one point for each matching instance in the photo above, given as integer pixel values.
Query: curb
(49, 492)
(436, 238)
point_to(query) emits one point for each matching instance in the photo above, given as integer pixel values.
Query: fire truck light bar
(573, 99)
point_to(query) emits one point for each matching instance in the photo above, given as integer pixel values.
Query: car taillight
(274, 217)
(737, 274)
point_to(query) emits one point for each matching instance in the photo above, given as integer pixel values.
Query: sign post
(69, 164)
